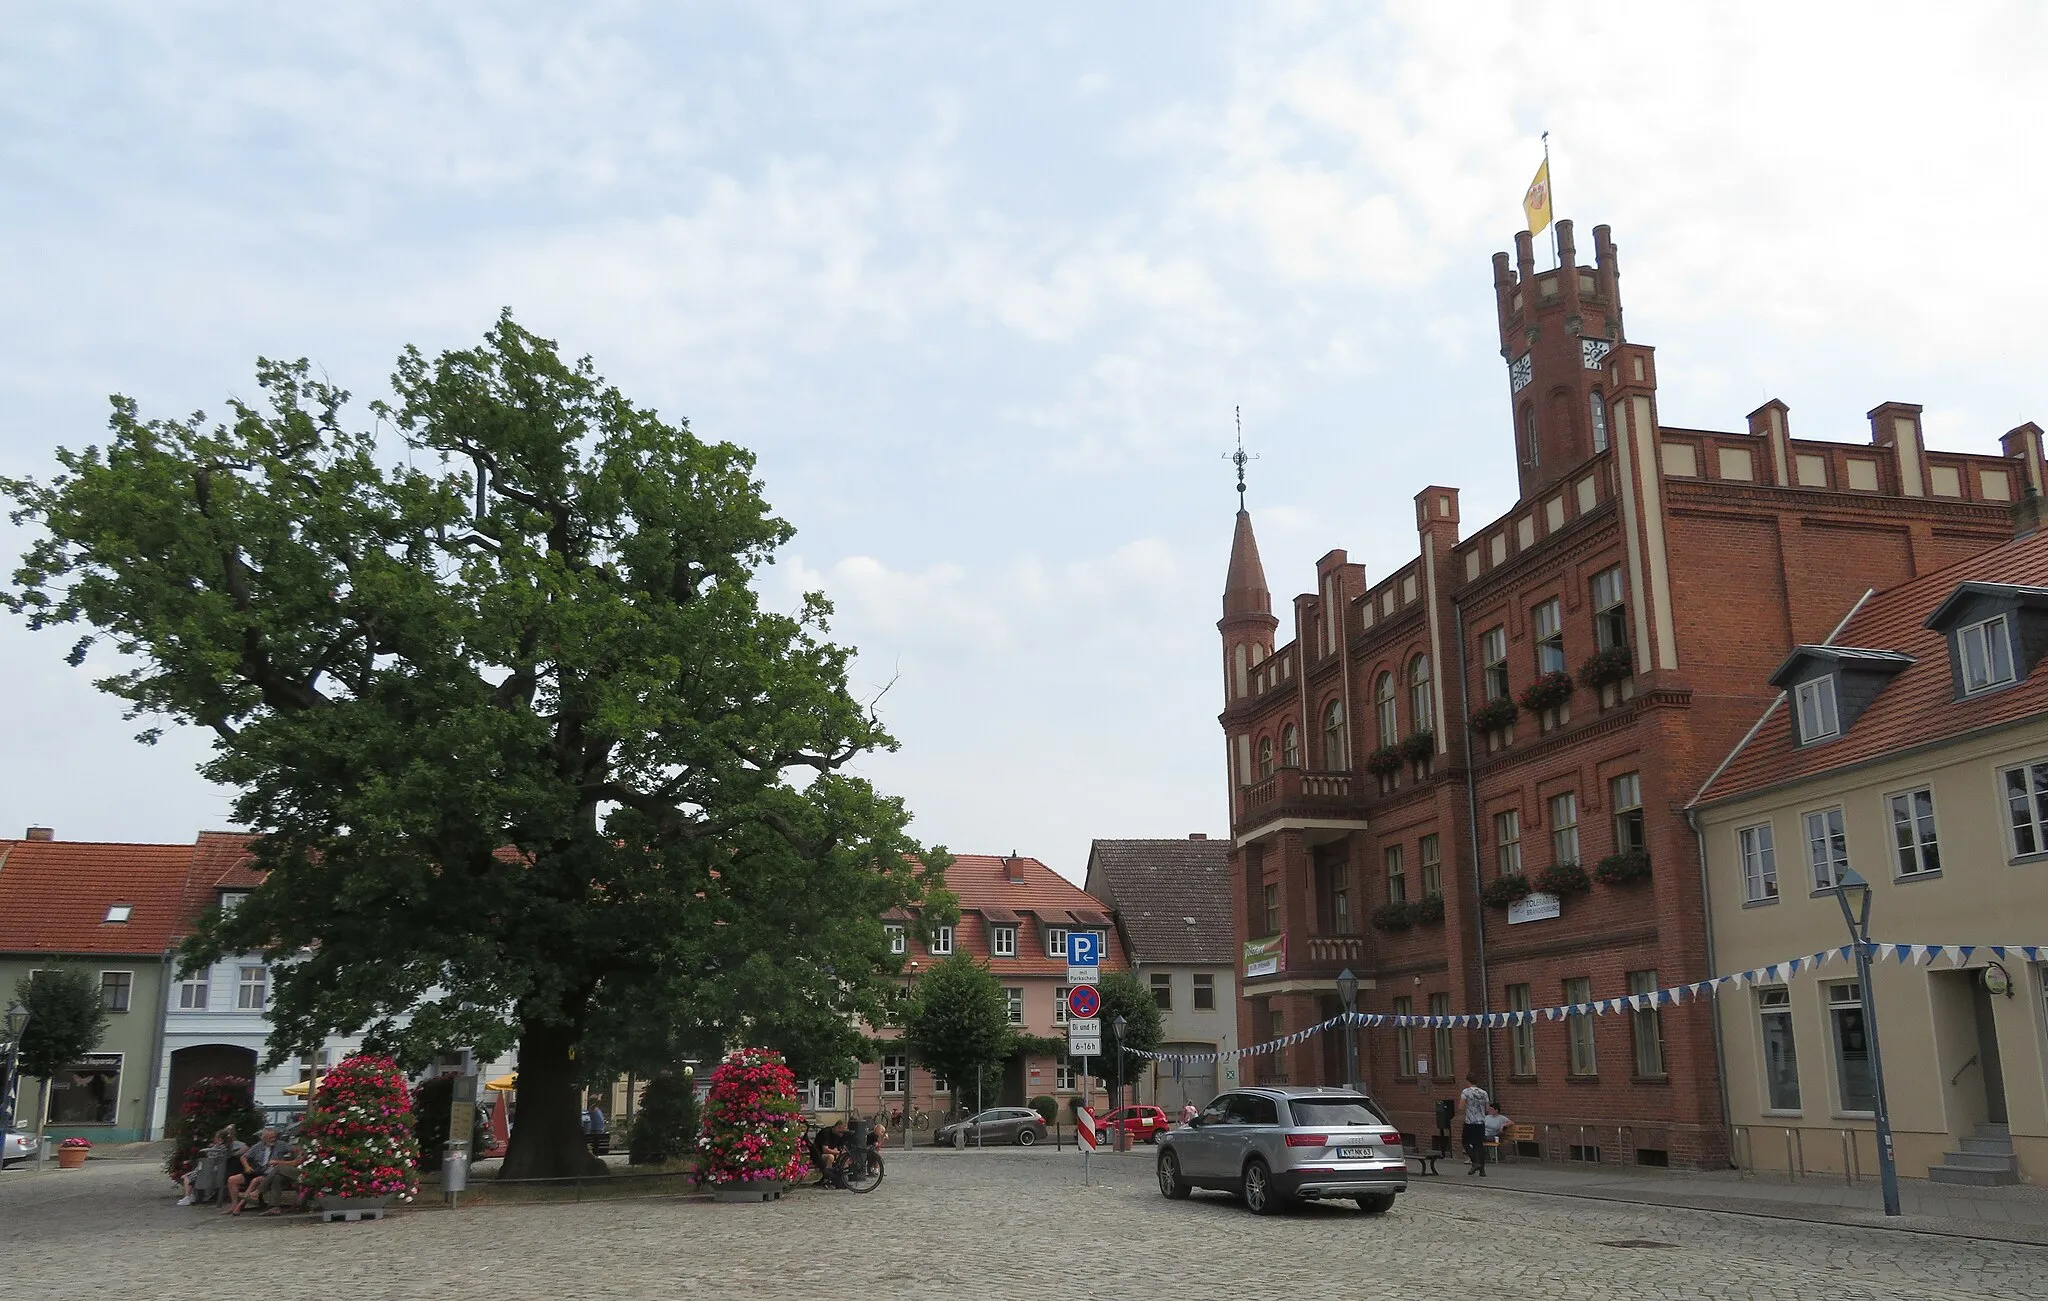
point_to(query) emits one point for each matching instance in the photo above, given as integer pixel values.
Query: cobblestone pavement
(960, 1224)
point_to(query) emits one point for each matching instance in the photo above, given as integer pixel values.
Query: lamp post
(1858, 919)
(1122, 1134)
(1347, 993)
(909, 1112)
(17, 1021)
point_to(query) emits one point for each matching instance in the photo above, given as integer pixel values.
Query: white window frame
(1161, 982)
(1205, 983)
(1814, 703)
(1507, 846)
(1922, 857)
(1579, 1034)
(1774, 1003)
(1429, 865)
(243, 985)
(1993, 651)
(1521, 1035)
(1841, 999)
(1609, 594)
(1757, 854)
(232, 899)
(200, 986)
(824, 1095)
(1827, 845)
(1002, 941)
(1013, 1003)
(895, 1074)
(1493, 662)
(898, 941)
(1597, 406)
(1059, 1003)
(1056, 942)
(1395, 858)
(1646, 1025)
(1421, 704)
(128, 1001)
(941, 945)
(1564, 827)
(2026, 811)
(1063, 1076)
(1547, 631)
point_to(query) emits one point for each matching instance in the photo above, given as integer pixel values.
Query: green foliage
(1506, 891)
(66, 1020)
(359, 1133)
(1623, 868)
(1397, 916)
(1123, 994)
(1494, 715)
(1428, 909)
(1563, 880)
(522, 766)
(1046, 1107)
(666, 1126)
(210, 1105)
(958, 1022)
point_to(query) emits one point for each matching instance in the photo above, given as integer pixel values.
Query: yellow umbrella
(504, 1083)
(299, 1090)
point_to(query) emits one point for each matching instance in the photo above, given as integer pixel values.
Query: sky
(983, 287)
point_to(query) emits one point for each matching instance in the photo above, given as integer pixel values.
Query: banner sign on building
(1267, 957)
(1538, 907)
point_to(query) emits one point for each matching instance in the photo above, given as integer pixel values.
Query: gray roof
(1171, 897)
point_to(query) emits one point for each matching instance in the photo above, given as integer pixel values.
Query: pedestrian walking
(1473, 1103)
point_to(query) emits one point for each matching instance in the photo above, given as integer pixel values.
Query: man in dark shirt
(832, 1153)
(249, 1170)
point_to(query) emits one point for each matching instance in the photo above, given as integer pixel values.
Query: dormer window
(1002, 941)
(1818, 720)
(1985, 650)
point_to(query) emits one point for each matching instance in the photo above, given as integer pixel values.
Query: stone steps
(1986, 1159)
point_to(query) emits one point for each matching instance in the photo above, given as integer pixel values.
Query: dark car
(1019, 1125)
(1272, 1146)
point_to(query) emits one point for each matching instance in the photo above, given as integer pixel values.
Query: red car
(1143, 1124)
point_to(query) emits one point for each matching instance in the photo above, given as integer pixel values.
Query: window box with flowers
(1547, 692)
(1429, 909)
(1629, 866)
(1563, 880)
(1506, 891)
(1384, 762)
(1420, 747)
(1495, 715)
(1393, 916)
(1604, 667)
(71, 1153)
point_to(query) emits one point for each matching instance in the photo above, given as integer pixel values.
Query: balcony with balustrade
(1321, 805)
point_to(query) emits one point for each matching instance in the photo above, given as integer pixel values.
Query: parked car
(1019, 1125)
(1272, 1146)
(1143, 1124)
(16, 1146)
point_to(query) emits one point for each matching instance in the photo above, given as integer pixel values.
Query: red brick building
(1650, 578)
(1015, 913)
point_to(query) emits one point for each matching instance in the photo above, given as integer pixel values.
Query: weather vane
(1239, 458)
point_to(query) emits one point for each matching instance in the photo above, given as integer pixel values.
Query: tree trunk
(547, 1133)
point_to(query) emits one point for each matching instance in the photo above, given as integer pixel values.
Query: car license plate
(1354, 1153)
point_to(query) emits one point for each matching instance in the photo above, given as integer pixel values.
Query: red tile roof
(1042, 900)
(219, 861)
(1917, 706)
(54, 896)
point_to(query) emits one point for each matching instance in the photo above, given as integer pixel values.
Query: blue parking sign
(1083, 949)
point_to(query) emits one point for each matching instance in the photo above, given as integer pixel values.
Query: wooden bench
(1425, 1162)
(1517, 1134)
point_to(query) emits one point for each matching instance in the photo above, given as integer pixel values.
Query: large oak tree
(522, 744)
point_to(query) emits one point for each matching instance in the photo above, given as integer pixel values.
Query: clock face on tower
(1520, 371)
(1593, 353)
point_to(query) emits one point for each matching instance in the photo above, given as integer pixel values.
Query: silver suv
(1274, 1145)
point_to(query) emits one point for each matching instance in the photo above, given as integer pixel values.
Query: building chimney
(1198, 835)
(39, 833)
(1013, 868)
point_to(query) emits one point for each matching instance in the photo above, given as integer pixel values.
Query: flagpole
(1550, 183)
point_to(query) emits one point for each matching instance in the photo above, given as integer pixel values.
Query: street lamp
(1858, 919)
(1347, 992)
(1117, 1026)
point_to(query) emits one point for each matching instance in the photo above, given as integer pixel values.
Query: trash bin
(455, 1166)
(49, 1151)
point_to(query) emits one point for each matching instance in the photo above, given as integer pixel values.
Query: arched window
(1336, 755)
(1265, 757)
(1383, 706)
(1421, 707)
(1290, 747)
(1599, 407)
(1529, 433)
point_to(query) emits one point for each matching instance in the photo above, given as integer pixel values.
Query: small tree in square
(752, 1130)
(211, 1104)
(359, 1133)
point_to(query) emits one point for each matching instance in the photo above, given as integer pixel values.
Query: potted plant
(1494, 715)
(751, 1149)
(1603, 667)
(1429, 909)
(1563, 879)
(1395, 916)
(361, 1154)
(1419, 747)
(1506, 891)
(1620, 869)
(210, 1104)
(1384, 762)
(71, 1153)
(1547, 692)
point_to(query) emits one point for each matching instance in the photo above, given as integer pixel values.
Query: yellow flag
(1536, 203)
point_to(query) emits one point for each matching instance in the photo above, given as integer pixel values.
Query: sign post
(1084, 1134)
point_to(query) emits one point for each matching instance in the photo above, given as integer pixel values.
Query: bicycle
(860, 1169)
